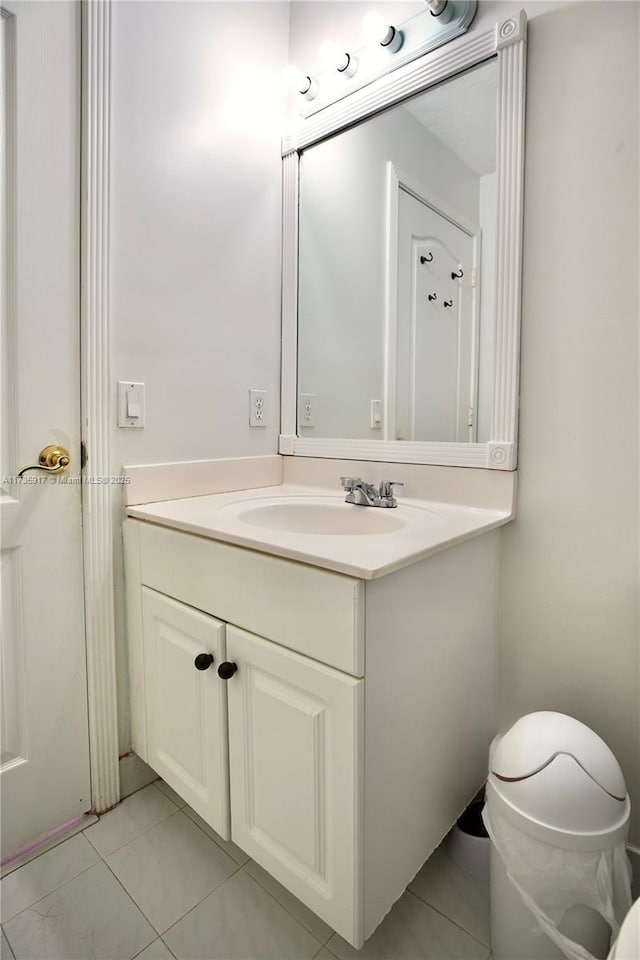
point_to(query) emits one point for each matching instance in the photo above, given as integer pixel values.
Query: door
(44, 768)
(295, 749)
(437, 318)
(186, 704)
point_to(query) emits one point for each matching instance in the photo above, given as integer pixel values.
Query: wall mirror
(402, 261)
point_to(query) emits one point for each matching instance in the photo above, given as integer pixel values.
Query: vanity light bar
(344, 62)
(393, 39)
(440, 8)
(388, 47)
(301, 82)
(348, 65)
(308, 88)
(377, 30)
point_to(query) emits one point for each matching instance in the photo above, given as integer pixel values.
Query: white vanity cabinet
(186, 708)
(295, 751)
(339, 780)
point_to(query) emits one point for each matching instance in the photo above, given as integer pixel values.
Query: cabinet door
(295, 745)
(186, 708)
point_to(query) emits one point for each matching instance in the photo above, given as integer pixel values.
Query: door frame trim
(95, 374)
(396, 179)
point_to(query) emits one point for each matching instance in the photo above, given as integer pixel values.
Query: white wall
(197, 115)
(196, 122)
(569, 585)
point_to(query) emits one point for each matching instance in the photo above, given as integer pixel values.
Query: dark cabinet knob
(226, 670)
(203, 661)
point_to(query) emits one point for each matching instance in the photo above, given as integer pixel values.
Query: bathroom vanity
(317, 678)
(350, 724)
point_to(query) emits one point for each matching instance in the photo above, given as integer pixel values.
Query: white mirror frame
(507, 42)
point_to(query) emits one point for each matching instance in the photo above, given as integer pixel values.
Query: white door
(295, 750)
(437, 336)
(45, 747)
(186, 704)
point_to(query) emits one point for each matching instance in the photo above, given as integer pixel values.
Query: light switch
(130, 404)
(133, 404)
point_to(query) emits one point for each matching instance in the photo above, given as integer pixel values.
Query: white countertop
(413, 530)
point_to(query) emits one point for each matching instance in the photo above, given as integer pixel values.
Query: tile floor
(151, 880)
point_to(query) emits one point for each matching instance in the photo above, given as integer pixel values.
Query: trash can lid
(557, 780)
(537, 739)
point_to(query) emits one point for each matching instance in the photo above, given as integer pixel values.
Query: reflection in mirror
(397, 270)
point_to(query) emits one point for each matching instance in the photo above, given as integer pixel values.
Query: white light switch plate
(130, 404)
(376, 414)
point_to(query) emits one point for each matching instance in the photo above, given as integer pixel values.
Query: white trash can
(557, 812)
(627, 946)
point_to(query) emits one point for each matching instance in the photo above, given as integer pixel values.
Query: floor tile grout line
(138, 835)
(446, 917)
(139, 954)
(282, 907)
(159, 933)
(160, 780)
(286, 910)
(238, 867)
(168, 947)
(8, 939)
(136, 905)
(44, 896)
(219, 845)
(241, 866)
(126, 796)
(181, 809)
(215, 889)
(323, 947)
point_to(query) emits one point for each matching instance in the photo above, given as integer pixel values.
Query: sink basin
(322, 519)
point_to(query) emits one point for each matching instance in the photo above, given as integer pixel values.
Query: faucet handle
(350, 482)
(386, 487)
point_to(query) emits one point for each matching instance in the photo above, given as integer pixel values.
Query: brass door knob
(53, 459)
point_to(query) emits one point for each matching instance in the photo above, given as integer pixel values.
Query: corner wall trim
(96, 382)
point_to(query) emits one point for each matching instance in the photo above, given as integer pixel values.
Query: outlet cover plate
(258, 408)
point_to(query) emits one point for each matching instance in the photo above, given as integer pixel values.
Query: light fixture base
(412, 39)
(395, 41)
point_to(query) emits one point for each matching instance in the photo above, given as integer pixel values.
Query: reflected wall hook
(448, 303)
(432, 296)
(458, 275)
(427, 259)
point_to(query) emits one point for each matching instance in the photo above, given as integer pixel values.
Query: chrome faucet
(365, 494)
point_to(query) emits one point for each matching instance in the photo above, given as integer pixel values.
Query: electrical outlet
(257, 408)
(307, 410)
